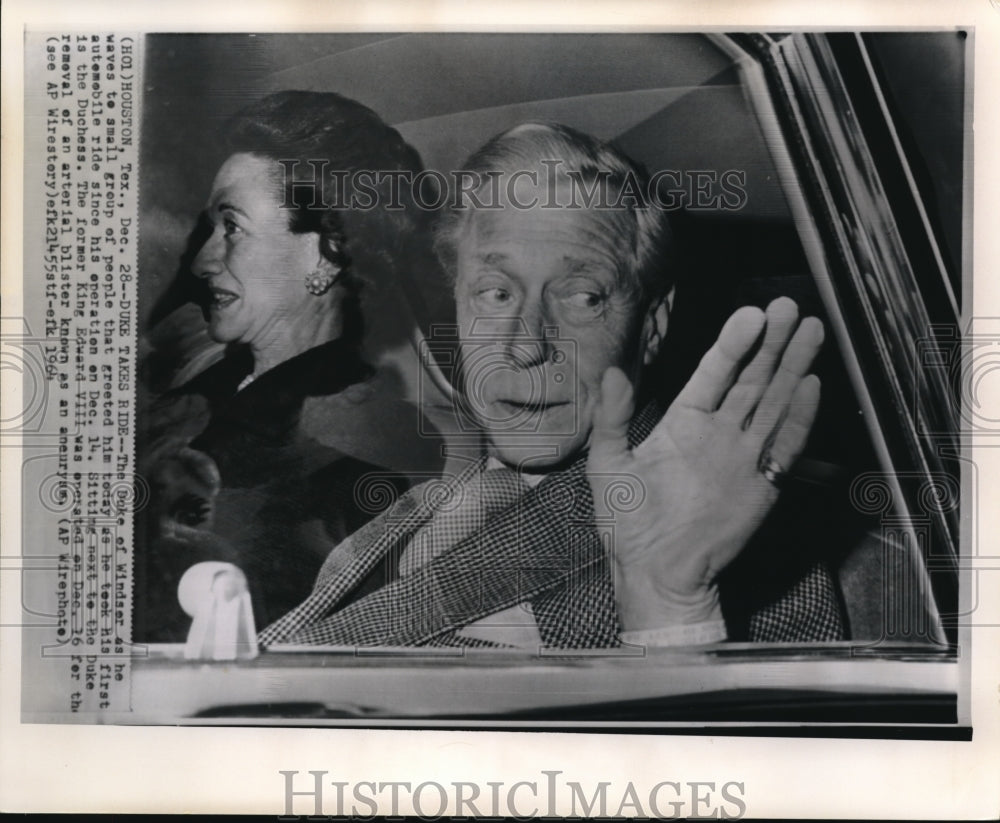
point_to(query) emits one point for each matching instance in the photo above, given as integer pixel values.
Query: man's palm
(703, 494)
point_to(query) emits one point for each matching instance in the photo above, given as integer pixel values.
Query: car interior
(699, 106)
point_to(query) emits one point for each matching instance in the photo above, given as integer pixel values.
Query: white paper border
(124, 769)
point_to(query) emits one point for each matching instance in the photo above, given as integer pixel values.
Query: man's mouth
(532, 407)
(221, 298)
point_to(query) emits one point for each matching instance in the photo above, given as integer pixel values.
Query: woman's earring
(319, 282)
(652, 347)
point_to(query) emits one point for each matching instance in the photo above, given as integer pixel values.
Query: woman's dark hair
(379, 243)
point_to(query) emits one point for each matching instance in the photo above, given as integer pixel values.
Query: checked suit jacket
(543, 549)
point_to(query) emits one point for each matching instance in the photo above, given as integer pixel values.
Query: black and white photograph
(601, 375)
(603, 386)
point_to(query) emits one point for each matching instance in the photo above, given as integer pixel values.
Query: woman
(303, 434)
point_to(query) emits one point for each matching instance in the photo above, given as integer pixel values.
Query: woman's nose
(208, 260)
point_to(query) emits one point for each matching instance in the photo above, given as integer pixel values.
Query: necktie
(468, 512)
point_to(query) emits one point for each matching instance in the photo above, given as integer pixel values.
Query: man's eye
(229, 227)
(586, 302)
(495, 296)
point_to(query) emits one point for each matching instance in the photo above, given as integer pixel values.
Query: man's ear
(329, 251)
(654, 329)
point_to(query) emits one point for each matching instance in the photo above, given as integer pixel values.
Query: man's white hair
(539, 147)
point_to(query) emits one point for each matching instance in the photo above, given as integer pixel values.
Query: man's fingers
(792, 434)
(795, 364)
(612, 415)
(717, 370)
(782, 316)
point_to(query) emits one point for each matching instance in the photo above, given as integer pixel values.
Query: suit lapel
(357, 556)
(542, 542)
(544, 547)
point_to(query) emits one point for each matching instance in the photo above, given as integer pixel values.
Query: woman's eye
(229, 227)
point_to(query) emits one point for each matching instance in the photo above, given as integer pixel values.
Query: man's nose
(532, 339)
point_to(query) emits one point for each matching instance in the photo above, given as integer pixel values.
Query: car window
(853, 209)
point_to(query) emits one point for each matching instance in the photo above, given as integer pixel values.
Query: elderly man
(587, 522)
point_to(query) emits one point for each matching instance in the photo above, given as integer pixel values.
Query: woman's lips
(221, 298)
